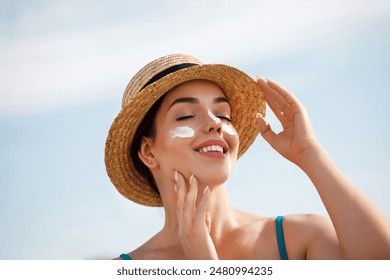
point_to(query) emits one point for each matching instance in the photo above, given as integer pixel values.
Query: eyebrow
(193, 100)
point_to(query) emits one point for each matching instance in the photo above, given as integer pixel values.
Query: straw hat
(152, 82)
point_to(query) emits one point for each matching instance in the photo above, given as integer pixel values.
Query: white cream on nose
(213, 117)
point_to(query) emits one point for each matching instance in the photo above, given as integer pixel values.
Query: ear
(145, 152)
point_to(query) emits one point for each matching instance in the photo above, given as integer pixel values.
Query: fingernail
(258, 115)
(191, 178)
(258, 77)
(205, 189)
(176, 174)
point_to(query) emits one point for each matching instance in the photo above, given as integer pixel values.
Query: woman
(182, 127)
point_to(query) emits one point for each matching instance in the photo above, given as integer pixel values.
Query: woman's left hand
(193, 220)
(297, 138)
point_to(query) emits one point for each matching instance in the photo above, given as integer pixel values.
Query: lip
(211, 142)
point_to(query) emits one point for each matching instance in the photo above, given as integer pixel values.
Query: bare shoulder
(306, 237)
(310, 236)
(159, 247)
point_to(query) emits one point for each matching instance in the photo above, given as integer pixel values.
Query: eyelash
(183, 118)
(225, 118)
(220, 117)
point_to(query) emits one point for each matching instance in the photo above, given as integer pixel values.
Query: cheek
(232, 135)
(171, 146)
(178, 133)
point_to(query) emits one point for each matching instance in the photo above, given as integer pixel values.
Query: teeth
(212, 148)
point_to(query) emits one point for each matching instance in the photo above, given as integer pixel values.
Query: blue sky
(65, 64)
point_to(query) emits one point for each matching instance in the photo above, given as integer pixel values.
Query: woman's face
(194, 134)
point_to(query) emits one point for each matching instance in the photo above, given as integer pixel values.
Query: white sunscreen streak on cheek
(213, 117)
(182, 132)
(229, 129)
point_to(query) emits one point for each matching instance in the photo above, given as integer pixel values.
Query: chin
(213, 180)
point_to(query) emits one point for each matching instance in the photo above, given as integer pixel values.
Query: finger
(295, 107)
(192, 191)
(189, 207)
(200, 218)
(271, 94)
(276, 102)
(181, 196)
(180, 189)
(208, 221)
(265, 128)
(286, 94)
(284, 117)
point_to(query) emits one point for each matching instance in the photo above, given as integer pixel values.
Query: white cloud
(60, 66)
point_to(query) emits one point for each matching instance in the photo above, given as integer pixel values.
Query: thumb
(265, 128)
(201, 219)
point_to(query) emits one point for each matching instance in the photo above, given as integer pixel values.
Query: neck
(222, 215)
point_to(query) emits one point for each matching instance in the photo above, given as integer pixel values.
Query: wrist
(311, 157)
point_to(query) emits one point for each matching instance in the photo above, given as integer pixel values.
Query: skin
(199, 221)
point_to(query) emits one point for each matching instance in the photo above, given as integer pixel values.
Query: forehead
(200, 89)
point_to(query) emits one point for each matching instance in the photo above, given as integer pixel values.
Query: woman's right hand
(193, 220)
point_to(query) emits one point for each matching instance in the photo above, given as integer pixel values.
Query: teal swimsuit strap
(125, 257)
(280, 238)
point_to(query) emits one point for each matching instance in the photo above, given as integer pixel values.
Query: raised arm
(362, 230)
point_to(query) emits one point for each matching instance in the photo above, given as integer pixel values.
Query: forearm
(363, 231)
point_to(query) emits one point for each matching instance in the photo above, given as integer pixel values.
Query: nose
(213, 123)
(214, 127)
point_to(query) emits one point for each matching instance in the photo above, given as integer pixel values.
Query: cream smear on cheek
(182, 132)
(229, 129)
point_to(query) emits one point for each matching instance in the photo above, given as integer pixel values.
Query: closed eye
(225, 118)
(184, 118)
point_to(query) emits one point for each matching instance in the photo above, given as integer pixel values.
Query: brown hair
(147, 128)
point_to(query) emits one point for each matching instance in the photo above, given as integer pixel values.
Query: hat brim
(242, 92)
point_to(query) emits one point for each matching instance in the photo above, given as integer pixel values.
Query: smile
(212, 148)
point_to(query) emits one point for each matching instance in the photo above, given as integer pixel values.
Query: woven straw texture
(242, 92)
